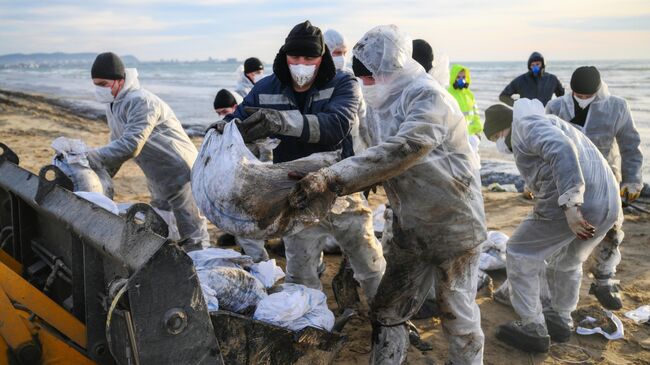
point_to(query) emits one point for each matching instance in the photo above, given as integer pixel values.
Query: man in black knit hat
(607, 122)
(310, 107)
(252, 73)
(225, 102)
(144, 128)
(534, 84)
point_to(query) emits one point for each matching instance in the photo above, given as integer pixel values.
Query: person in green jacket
(459, 81)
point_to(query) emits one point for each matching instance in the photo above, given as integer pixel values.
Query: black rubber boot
(558, 329)
(532, 337)
(607, 296)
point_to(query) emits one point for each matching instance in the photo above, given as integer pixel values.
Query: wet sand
(29, 123)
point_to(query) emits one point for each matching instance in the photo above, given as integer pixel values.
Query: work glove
(630, 192)
(310, 187)
(263, 123)
(583, 229)
(218, 126)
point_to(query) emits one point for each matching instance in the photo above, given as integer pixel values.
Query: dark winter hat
(224, 99)
(497, 118)
(423, 53)
(585, 80)
(252, 64)
(305, 40)
(108, 66)
(534, 57)
(359, 69)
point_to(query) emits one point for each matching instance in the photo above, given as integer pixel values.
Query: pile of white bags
(231, 281)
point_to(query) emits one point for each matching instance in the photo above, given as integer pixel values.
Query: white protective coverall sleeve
(557, 161)
(145, 128)
(424, 161)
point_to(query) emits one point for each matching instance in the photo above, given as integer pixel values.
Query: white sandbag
(267, 272)
(71, 159)
(235, 289)
(213, 257)
(295, 308)
(99, 199)
(493, 252)
(248, 198)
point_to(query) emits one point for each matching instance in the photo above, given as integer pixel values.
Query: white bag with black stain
(248, 198)
(71, 159)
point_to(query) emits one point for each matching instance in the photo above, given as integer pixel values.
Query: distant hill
(57, 58)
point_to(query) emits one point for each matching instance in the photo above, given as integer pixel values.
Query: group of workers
(397, 126)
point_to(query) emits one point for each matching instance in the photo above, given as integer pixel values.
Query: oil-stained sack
(248, 198)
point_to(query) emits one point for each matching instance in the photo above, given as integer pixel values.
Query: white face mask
(371, 94)
(339, 62)
(302, 74)
(104, 94)
(502, 146)
(257, 78)
(583, 103)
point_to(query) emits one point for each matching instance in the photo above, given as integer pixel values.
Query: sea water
(189, 87)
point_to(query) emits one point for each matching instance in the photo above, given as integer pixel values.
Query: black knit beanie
(359, 69)
(108, 66)
(305, 40)
(224, 99)
(423, 53)
(252, 64)
(585, 80)
(497, 118)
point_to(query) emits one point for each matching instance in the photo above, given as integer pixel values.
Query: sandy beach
(28, 124)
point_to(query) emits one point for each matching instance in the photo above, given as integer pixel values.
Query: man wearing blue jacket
(310, 106)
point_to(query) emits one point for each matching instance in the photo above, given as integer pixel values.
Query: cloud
(465, 29)
(634, 23)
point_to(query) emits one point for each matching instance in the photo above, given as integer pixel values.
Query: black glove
(261, 123)
(217, 126)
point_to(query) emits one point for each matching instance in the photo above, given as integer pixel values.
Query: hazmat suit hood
(386, 52)
(131, 82)
(333, 39)
(326, 71)
(455, 70)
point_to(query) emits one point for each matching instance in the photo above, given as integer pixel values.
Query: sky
(465, 30)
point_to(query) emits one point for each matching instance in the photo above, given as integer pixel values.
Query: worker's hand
(578, 224)
(630, 192)
(261, 123)
(309, 187)
(218, 126)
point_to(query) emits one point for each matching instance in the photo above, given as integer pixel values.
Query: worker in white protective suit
(144, 127)
(422, 157)
(607, 121)
(576, 205)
